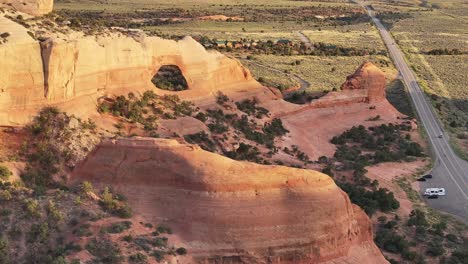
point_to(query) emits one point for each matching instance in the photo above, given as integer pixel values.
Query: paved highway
(449, 172)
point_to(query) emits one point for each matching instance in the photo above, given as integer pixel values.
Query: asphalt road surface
(450, 171)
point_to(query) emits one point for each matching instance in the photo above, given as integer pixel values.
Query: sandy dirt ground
(387, 173)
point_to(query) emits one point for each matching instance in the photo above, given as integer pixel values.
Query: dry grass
(324, 73)
(268, 77)
(367, 37)
(445, 76)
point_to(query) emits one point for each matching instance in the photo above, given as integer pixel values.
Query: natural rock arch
(171, 78)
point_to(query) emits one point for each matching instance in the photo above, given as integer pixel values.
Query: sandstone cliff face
(231, 211)
(73, 73)
(32, 7)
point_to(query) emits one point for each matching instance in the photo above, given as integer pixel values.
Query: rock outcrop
(228, 211)
(75, 71)
(32, 7)
(368, 78)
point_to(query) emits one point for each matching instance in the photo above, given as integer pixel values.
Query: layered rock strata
(233, 211)
(73, 73)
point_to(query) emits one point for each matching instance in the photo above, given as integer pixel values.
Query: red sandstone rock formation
(72, 72)
(367, 77)
(232, 211)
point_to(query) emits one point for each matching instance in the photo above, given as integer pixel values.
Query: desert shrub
(221, 98)
(169, 77)
(4, 254)
(391, 241)
(104, 250)
(218, 127)
(435, 249)
(275, 128)
(38, 233)
(245, 152)
(202, 139)
(452, 238)
(250, 107)
(201, 116)
(164, 230)
(158, 255)
(138, 258)
(31, 207)
(114, 206)
(439, 228)
(458, 257)
(86, 187)
(53, 213)
(417, 218)
(5, 173)
(119, 227)
(370, 201)
(5, 195)
(83, 230)
(128, 238)
(160, 242)
(143, 243)
(181, 251)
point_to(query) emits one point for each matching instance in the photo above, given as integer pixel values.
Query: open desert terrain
(214, 131)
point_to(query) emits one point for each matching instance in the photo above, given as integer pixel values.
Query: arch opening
(170, 78)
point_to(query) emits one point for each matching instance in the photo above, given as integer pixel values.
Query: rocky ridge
(233, 211)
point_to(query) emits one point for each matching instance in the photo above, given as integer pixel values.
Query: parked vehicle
(440, 136)
(422, 179)
(433, 197)
(428, 176)
(434, 191)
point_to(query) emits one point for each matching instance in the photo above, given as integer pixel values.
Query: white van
(434, 191)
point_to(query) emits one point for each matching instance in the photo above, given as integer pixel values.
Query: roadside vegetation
(359, 147)
(432, 37)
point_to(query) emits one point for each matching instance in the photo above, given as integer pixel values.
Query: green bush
(417, 218)
(5, 173)
(181, 251)
(138, 258)
(245, 152)
(202, 139)
(221, 98)
(164, 230)
(115, 206)
(104, 250)
(4, 252)
(435, 249)
(391, 241)
(158, 255)
(119, 227)
(370, 201)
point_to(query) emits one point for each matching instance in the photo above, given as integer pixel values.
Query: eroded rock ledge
(72, 72)
(233, 211)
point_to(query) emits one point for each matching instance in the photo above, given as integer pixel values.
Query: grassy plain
(324, 73)
(268, 77)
